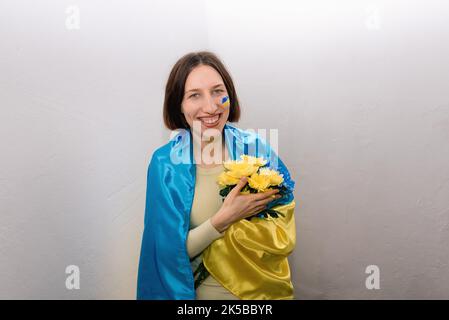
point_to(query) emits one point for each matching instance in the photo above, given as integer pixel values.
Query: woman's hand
(238, 206)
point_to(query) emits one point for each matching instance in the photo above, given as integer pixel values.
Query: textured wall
(358, 91)
(80, 116)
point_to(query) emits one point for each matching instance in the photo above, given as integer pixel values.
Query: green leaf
(200, 274)
(274, 213)
(265, 213)
(225, 191)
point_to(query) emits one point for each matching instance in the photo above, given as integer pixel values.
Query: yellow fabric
(250, 260)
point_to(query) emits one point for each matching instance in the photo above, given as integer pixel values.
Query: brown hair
(174, 90)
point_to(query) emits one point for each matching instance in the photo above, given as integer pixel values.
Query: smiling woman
(196, 87)
(202, 102)
(189, 249)
(196, 84)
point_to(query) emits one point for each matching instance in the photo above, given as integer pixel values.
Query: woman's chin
(213, 131)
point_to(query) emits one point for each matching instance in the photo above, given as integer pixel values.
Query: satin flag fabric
(250, 260)
(164, 266)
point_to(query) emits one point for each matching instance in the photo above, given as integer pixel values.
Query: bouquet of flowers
(260, 179)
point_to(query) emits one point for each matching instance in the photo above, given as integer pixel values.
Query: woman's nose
(211, 104)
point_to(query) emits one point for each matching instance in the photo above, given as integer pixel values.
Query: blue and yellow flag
(250, 259)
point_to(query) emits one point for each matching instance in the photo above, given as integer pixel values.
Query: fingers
(266, 200)
(260, 208)
(266, 194)
(239, 185)
(255, 210)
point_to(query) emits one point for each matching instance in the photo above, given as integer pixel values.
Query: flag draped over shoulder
(250, 259)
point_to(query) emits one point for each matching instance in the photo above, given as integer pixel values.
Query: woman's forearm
(200, 237)
(220, 221)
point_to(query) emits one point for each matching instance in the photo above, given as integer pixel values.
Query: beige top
(206, 202)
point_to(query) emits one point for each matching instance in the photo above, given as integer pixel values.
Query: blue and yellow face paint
(225, 102)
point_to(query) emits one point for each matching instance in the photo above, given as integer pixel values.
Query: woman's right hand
(238, 206)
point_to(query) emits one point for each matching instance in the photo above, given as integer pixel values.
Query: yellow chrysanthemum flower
(253, 160)
(275, 177)
(249, 166)
(224, 179)
(238, 169)
(259, 182)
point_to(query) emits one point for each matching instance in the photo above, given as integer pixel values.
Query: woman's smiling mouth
(210, 121)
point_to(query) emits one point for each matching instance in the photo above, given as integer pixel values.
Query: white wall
(81, 112)
(359, 92)
(357, 89)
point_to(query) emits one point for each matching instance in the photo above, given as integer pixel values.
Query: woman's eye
(194, 95)
(218, 90)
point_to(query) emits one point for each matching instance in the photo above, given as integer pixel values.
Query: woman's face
(201, 104)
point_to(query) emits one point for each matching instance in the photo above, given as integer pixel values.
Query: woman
(188, 227)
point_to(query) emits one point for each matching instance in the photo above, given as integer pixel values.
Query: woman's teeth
(210, 120)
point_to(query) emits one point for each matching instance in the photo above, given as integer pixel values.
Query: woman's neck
(210, 153)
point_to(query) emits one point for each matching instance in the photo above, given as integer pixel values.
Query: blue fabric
(164, 266)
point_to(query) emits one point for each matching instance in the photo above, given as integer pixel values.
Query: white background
(358, 91)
